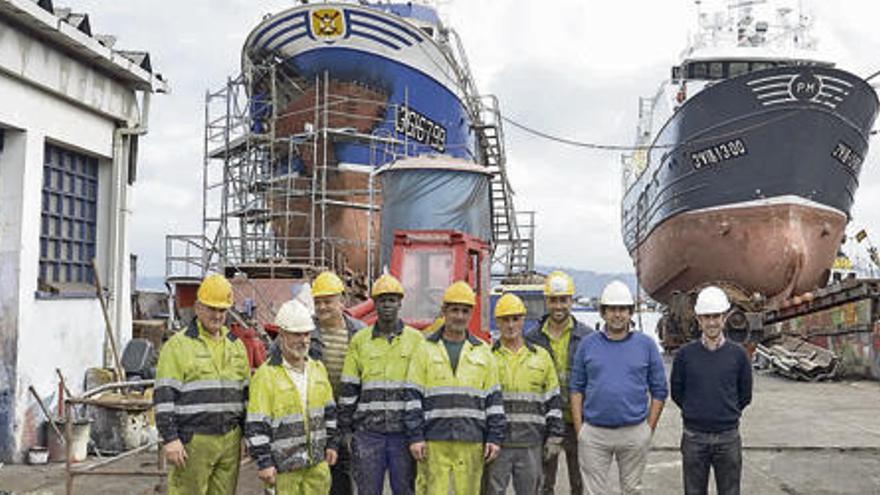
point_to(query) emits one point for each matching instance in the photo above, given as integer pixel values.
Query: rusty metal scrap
(799, 360)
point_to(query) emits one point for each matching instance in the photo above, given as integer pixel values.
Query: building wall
(38, 335)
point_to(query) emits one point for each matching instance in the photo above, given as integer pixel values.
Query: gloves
(552, 448)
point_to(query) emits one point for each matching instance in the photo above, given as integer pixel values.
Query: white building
(72, 109)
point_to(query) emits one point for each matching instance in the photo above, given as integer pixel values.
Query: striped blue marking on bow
(298, 19)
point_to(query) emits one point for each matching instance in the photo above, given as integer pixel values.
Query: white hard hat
(294, 317)
(616, 293)
(711, 301)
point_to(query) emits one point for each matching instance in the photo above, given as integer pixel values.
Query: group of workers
(339, 405)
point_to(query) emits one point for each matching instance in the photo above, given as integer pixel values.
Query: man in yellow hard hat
(374, 395)
(559, 333)
(531, 403)
(454, 412)
(291, 420)
(201, 388)
(329, 344)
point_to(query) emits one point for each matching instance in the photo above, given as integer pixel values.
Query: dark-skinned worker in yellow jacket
(200, 394)
(454, 410)
(374, 395)
(291, 418)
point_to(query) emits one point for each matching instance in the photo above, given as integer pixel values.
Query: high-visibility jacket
(373, 392)
(277, 430)
(464, 405)
(531, 394)
(195, 394)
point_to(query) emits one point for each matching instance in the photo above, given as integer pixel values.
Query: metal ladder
(511, 249)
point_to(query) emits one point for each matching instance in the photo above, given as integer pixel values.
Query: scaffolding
(254, 190)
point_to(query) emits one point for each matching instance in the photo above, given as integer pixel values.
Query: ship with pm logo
(747, 158)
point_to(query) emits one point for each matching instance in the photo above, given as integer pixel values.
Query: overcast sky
(569, 68)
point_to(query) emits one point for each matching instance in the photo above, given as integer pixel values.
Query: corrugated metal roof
(72, 31)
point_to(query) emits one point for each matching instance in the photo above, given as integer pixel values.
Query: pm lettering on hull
(719, 153)
(424, 130)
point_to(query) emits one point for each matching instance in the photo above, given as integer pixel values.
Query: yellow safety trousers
(313, 480)
(211, 466)
(459, 464)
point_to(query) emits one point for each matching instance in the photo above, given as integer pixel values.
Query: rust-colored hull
(777, 250)
(351, 106)
(345, 237)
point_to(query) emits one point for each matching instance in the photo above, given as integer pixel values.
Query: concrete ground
(799, 438)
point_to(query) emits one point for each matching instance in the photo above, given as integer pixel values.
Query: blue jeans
(720, 451)
(375, 453)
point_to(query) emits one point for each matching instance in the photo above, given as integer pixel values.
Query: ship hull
(751, 182)
(367, 71)
(774, 249)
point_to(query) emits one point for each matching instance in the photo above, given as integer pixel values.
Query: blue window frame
(68, 229)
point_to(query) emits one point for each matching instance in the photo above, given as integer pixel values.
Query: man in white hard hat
(618, 387)
(291, 416)
(711, 383)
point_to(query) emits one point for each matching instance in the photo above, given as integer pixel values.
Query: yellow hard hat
(327, 284)
(460, 293)
(215, 291)
(386, 284)
(558, 283)
(509, 305)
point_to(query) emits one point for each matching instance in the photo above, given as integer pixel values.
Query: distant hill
(590, 283)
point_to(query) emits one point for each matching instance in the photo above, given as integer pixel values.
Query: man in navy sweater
(618, 387)
(712, 384)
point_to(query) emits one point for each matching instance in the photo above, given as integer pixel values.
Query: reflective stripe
(209, 408)
(286, 443)
(525, 418)
(347, 401)
(524, 396)
(319, 435)
(471, 392)
(258, 418)
(292, 419)
(318, 411)
(416, 387)
(551, 393)
(258, 440)
(353, 380)
(384, 384)
(169, 382)
(412, 404)
(164, 407)
(454, 413)
(554, 413)
(497, 409)
(394, 405)
(330, 424)
(213, 384)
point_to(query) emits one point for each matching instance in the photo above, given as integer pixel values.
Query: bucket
(38, 455)
(79, 441)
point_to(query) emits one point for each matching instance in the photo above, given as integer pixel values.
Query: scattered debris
(799, 360)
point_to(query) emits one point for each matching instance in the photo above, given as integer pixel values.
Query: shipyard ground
(800, 438)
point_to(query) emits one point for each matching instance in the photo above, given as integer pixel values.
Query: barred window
(68, 227)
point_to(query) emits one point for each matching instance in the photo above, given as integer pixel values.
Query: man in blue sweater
(712, 384)
(617, 387)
